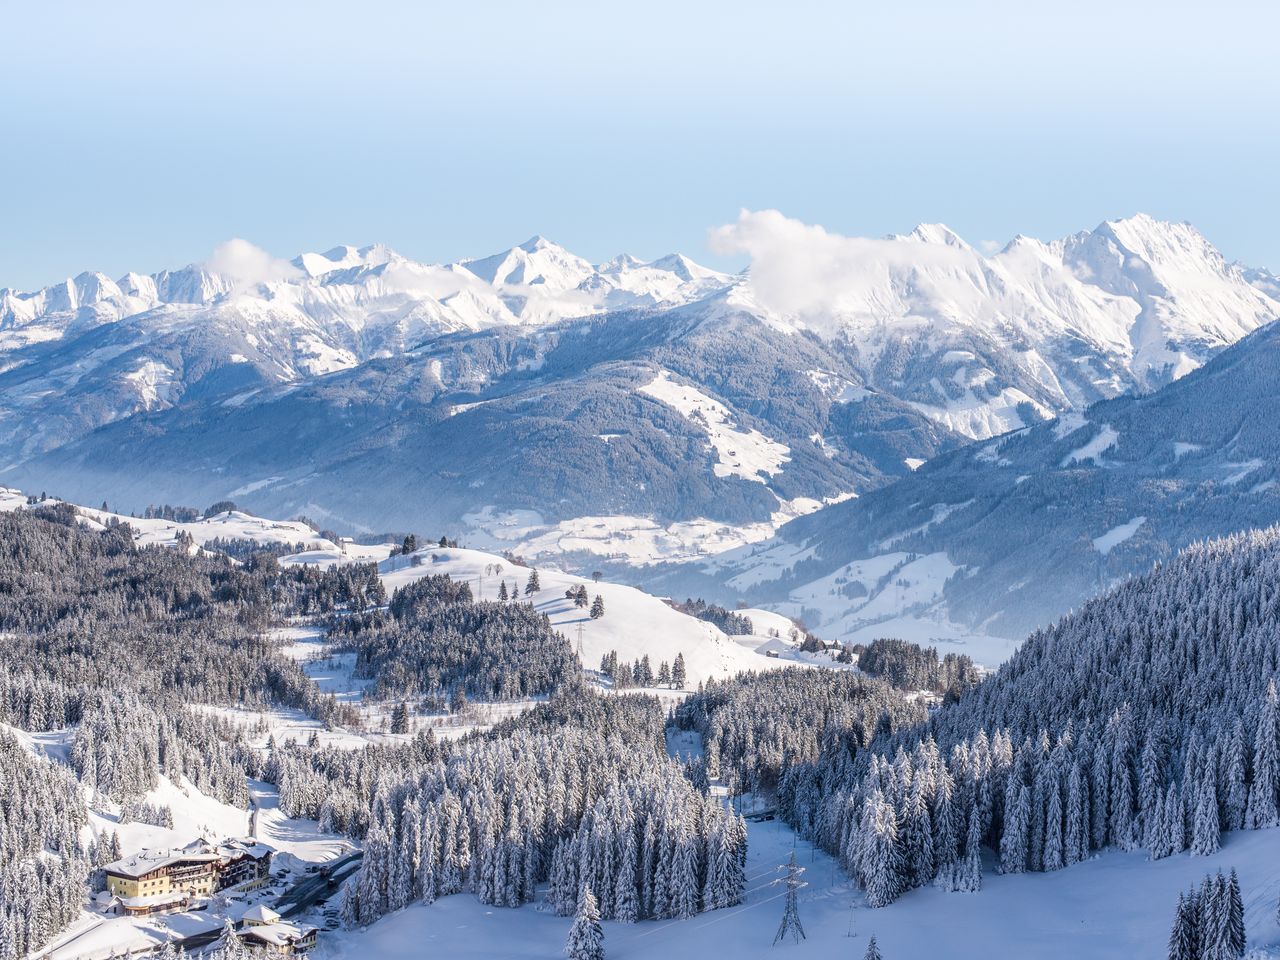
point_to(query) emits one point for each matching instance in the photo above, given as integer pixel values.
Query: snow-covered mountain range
(644, 409)
(1000, 537)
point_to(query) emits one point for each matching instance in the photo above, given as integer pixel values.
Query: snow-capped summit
(344, 257)
(977, 344)
(536, 261)
(935, 233)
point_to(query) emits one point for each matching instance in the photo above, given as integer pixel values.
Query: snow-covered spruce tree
(578, 791)
(1140, 748)
(1262, 810)
(597, 608)
(1183, 938)
(1205, 831)
(873, 950)
(586, 936)
(229, 945)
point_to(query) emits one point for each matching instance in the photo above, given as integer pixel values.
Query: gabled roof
(147, 861)
(278, 934)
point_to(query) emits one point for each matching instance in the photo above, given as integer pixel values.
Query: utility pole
(791, 912)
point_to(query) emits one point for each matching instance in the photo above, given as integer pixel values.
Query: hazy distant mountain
(1008, 534)
(531, 389)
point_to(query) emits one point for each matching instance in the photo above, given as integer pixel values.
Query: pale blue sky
(139, 135)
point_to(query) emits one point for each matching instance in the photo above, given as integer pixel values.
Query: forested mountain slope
(619, 409)
(1148, 719)
(1033, 523)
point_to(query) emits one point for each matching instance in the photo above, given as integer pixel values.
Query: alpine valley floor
(1116, 906)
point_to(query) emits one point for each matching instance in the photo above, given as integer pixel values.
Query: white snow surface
(742, 453)
(1116, 906)
(1092, 451)
(1117, 535)
(638, 541)
(635, 624)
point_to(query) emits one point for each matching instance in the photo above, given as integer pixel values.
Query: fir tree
(873, 950)
(586, 936)
(1205, 832)
(1262, 810)
(1235, 918)
(532, 585)
(400, 718)
(1182, 936)
(678, 675)
(597, 607)
(230, 946)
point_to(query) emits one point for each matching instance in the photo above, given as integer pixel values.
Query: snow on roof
(277, 934)
(199, 850)
(147, 861)
(261, 913)
(252, 847)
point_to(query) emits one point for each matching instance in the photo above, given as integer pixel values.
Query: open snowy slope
(1118, 906)
(228, 525)
(635, 624)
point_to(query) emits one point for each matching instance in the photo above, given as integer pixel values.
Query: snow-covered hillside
(626, 410)
(227, 525)
(1004, 536)
(635, 623)
(989, 343)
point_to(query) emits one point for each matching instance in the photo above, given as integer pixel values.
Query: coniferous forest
(1147, 720)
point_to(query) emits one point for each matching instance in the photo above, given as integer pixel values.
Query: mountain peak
(538, 242)
(936, 233)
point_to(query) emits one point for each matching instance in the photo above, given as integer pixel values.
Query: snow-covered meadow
(1116, 906)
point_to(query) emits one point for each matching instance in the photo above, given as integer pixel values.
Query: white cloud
(989, 246)
(805, 271)
(246, 265)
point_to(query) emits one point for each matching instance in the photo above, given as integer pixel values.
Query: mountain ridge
(528, 395)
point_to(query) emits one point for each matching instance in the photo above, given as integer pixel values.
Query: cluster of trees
(1148, 719)
(640, 673)
(755, 726)
(908, 666)
(42, 864)
(333, 784)
(1209, 922)
(576, 791)
(118, 641)
(728, 621)
(580, 598)
(434, 640)
(174, 514)
(241, 548)
(83, 612)
(122, 746)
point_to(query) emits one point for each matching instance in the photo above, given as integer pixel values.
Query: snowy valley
(542, 601)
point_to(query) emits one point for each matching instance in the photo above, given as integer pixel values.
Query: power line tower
(580, 644)
(791, 912)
